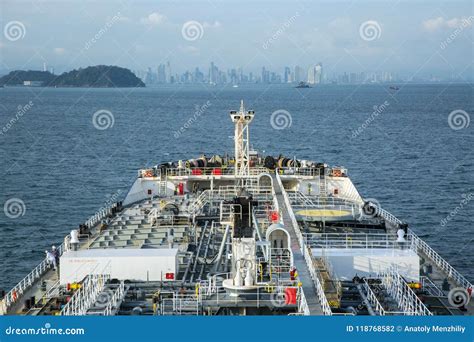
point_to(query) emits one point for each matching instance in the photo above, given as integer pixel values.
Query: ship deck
(197, 225)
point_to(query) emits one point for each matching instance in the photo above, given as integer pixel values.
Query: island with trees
(100, 76)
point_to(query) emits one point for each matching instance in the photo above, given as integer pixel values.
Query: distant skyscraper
(287, 75)
(319, 73)
(213, 74)
(298, 74)
(311, 75)
(45, 67)
(162, 73)
(149, 79)
(315, 74)
(168, 72)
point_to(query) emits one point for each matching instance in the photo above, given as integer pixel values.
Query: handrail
(15, 293)
(19, 289)
(399, 290)
(372, 299)
(388, 216)
(306, 253)
(299, 171)
(321, 202)
(355, 244)
(115, 300)
(418, 244)
(432, 288)
(98, 216)
(208, 171)
(303, 307)
(85, 297)
(317, 283)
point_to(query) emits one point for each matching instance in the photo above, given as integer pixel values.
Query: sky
(406, 37)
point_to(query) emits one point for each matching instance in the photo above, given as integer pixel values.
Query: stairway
(108, 300)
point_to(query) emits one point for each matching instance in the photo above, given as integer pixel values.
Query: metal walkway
(299, 261)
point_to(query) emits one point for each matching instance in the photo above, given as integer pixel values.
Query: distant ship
(302, 85)
(394, 88)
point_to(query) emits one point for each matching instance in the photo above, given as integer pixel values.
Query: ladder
(162, 188)
(323, 188)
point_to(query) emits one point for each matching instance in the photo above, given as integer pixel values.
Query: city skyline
(312, 75)
(412, 39)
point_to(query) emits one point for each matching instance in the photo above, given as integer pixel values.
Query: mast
(242, 120)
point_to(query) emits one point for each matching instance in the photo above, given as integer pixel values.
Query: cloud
(59, 51)
(153, 19)
(215, 24)
(438, 23)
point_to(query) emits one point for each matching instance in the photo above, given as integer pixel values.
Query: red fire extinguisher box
(290, 296)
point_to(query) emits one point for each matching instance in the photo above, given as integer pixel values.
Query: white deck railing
(399, 290)
(203, 198)
(179, 303)
(428, 285)
(388, 216)
(306, 201)
(19, 289)
(306, 254)
(208, 171)
(317, 282)
(352, 241)
(418, 245)
(115, 300)
(303, 307)
(86, 296)
(372, 299)
(299, 171)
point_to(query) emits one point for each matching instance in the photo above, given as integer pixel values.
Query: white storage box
(123, 264)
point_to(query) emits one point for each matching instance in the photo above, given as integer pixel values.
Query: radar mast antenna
(242, 120)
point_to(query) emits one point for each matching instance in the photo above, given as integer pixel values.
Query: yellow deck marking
(323, 213)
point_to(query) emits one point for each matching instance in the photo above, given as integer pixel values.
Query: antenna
(242, 120)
